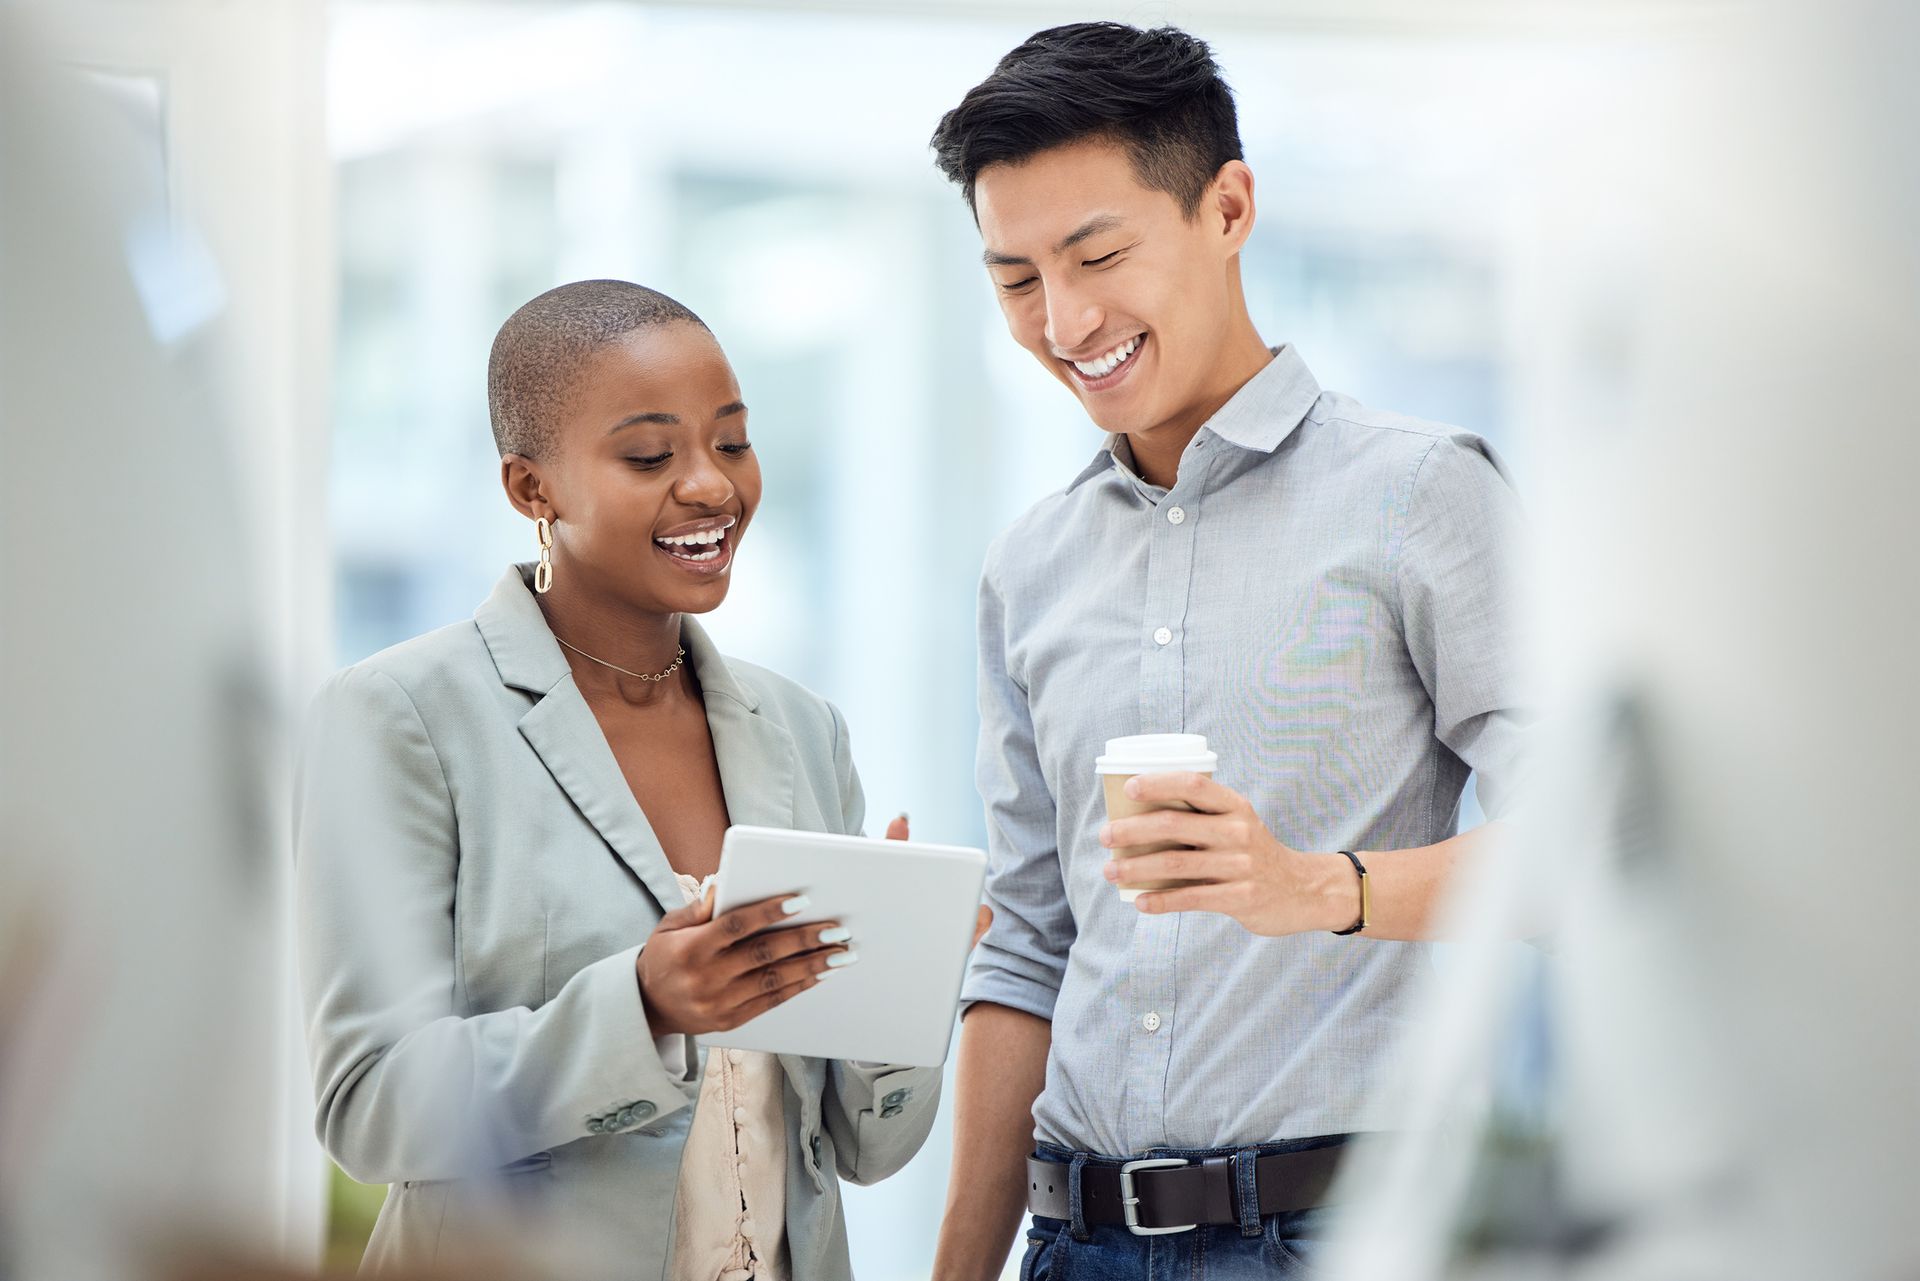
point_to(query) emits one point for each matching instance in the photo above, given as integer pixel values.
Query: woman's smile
(703, 555)
(703, 548)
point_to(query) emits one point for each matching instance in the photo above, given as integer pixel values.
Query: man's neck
(1157, 453)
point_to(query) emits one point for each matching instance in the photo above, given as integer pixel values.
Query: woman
(502, 829)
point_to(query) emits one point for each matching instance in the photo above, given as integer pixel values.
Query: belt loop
(1246, 1198)
(1075, 1208)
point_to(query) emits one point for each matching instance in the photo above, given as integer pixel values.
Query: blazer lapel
(756, 754)
(562, 731)
(561, 728)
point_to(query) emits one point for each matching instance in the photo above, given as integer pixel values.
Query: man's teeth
(1104, 365)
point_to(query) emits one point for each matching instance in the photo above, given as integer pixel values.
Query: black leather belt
(1172, 1194)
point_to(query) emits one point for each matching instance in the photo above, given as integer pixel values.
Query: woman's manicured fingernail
(798, 903)
(1106, 833)
(840, 959)
(838, 934)
(1111, 871)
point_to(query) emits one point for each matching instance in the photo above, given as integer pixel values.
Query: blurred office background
(1485, 212)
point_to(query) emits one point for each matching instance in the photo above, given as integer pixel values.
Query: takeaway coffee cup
(1149, 754)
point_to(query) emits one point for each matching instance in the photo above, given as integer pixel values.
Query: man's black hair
(1158, 93)
(538, 353)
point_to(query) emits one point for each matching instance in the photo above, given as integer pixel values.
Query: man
(1317, 587)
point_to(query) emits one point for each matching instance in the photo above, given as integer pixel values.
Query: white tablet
(911, 908)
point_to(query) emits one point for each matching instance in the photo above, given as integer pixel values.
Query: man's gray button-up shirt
(1334, 608)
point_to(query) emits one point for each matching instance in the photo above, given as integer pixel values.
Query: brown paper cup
(1120, 805)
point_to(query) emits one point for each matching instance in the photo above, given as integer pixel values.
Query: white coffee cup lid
(1156, 754)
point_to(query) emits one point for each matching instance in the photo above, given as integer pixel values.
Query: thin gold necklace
(679, 656)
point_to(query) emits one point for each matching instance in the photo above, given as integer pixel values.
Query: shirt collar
(1259, 416)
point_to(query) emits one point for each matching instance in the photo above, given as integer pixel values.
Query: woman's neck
(637, 640)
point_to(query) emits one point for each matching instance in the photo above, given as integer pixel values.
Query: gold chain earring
(543, 573)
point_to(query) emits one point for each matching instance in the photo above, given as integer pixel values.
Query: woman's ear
(526, 488)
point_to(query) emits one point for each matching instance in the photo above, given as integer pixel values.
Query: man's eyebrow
(1091, 227)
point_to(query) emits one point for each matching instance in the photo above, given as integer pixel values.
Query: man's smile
(1109, 368)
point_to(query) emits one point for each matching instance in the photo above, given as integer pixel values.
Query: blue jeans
(1284, 1247)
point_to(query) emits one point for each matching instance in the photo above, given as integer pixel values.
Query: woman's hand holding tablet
(913, 911)
(701, 972)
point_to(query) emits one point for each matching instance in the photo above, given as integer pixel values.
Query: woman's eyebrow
(655, 416)
(673, 420)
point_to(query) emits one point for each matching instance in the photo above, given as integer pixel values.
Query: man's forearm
(1225, 859)
(1003, 1064)
(1408, 888)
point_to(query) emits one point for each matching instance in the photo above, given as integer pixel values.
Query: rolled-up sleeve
(407, 1086)
(1458, 567)
(1022, 959)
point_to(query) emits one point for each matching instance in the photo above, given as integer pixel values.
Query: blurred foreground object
(1717, 326)
(145, 1034)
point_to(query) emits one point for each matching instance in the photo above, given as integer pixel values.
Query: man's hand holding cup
(1184, 843)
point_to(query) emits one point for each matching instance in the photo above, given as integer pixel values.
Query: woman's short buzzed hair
(1158, 94)
(538, 353)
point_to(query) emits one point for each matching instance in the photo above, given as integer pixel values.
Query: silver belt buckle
(1130, 1203)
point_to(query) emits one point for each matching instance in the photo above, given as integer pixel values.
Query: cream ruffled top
(730, 1213)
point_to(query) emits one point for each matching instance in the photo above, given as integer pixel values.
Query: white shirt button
(733, 1057)
(1175, 515)
(746, 1228)
(1162, 636)
(740, 1114)
(1150, 1021)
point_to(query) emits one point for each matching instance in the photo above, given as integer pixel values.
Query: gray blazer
(475, 880)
